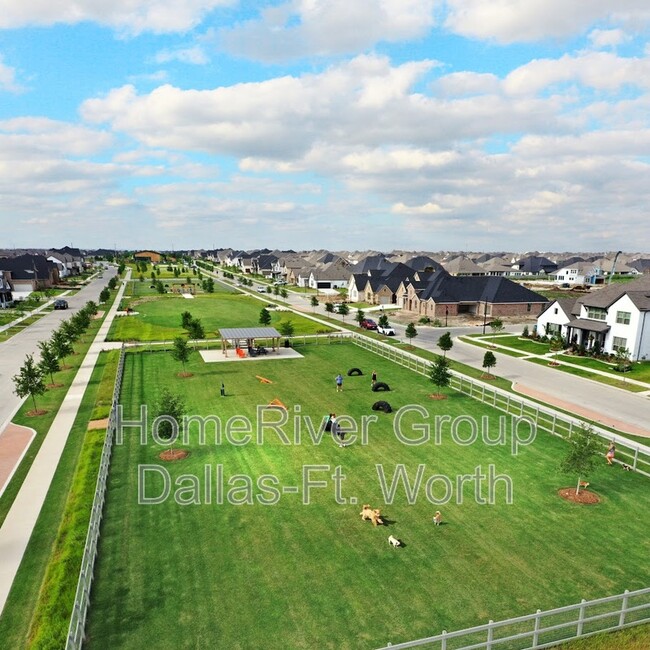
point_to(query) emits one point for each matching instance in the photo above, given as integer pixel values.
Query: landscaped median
(638, 380)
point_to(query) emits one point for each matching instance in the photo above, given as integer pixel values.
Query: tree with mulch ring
(580, 460)
(440, 376)
(489, 361)
(170, 455)
(170, 407)
(410, 332)
(181, 352)
(584, 497)
(29, 382)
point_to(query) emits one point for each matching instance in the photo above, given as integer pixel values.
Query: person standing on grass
(339, 382)
(373, 379)
(611, 452)
(223, 389)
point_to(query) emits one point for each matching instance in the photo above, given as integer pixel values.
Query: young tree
(160, 287)
(276, 290)
(49, 363)
(344, 310)
(91, 307)
(283, 292)
(29, 381)
(195, 329)
(104, 295)
(112, 283)
(329, 307)
(61, 345)
(445, 343)
(265, 317)
(496, 325)
(410, 332)
(581, 458)
(383, 321)
(359, 316)
(489, 361)
(286, 328)
(556, 344)
(181, 351)
(70, 330)
(186, 319)
(173, 406)
(209, 285)
(439, 373)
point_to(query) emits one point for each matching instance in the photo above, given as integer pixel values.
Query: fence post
(443, 644)
(553, 423)
(570, 428)
(636, 456)
(508, 404)
(490, 635)
(621, 620)
(536, 628)
(581, 618)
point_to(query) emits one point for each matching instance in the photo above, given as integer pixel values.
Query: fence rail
(82, 596)
(628, 452)
(545, 629)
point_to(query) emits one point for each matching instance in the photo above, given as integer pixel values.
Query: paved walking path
(21, 519)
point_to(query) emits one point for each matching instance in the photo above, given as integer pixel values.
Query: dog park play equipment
(381, 405)
(354, 372)
(240, 353)
(379, 386)
(263, 380)
(278, 403)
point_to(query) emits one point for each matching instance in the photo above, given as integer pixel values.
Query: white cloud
(601, 38)
(193, 55)
(8, 78)
(303, 28)
(128, 16)
(510, 21)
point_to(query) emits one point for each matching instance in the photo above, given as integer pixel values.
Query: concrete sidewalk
(18, 526)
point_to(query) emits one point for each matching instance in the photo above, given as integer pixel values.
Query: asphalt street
(14, 350)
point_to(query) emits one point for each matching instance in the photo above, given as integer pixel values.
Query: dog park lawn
(159, 318)
(317, 576)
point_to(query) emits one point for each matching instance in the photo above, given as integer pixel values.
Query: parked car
(261, 289)
(368, 324)
(60, 304)
(386, 331)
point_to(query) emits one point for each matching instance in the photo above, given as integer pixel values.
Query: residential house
(534, 265)
(578, 273)
(444, 295)
(463, 266)
(27, 273)
(331, 276)
(616, 316)
(642, 265)
(267, 265)
(151, 257)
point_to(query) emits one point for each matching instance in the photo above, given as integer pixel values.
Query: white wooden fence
(82, 597)
(634, 454)
(544, 629)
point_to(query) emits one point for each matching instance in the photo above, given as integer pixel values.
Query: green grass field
(316, 576)
(159, 319)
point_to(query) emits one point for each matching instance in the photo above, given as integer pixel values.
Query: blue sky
(345, 124)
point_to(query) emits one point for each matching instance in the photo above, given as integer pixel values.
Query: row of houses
(24, 272)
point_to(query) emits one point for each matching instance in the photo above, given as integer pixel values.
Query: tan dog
(437, 518)
(376, 518)
(367, 512)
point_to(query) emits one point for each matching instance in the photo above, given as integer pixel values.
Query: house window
(619, 343)
(529, 306)
(595, 313)
(555, 310)
(623, 317)
(552, 328)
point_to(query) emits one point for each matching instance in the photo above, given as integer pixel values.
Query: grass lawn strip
(317, 576)
(44, 588)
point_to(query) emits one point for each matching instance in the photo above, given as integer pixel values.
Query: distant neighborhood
(426, 286)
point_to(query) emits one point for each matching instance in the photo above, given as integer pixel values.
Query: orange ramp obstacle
(277, 402)
(263, 380)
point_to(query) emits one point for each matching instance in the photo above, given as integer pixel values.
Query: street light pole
(484, 315)
(446, 314)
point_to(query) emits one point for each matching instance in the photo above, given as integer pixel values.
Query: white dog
(393, 541)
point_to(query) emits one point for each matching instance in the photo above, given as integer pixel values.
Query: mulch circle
(35, 412)
(585, 497)
(438, 397)
(185, 374)
(554, 363)
(51, 386)
(484, 376)
(173, 454)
